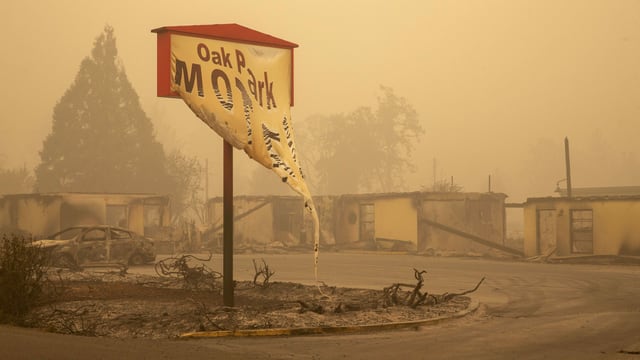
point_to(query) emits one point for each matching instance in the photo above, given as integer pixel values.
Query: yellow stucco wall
(529, 231)
(38, 216)
(396, 219)
(44, 214)
(479, 214)
(449, 212)
(616, 225)
(82, 210)
(347, 222)
(136, 218)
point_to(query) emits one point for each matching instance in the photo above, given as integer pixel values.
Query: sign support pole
(182, 60)
(227, 231)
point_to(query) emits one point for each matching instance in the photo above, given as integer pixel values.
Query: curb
(473, 306)
(595, 260)
(375, 252)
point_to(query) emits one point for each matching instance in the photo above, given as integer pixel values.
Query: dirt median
(111, 304)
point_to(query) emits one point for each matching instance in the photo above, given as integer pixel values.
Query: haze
(497, 84)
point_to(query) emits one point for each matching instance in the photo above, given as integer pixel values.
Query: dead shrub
(23, 271)
(397, 295)
(195, 276)
(262, 271)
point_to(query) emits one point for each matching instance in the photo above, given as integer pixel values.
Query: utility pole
(567, 160)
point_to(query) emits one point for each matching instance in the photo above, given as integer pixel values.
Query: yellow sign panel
(243, 92)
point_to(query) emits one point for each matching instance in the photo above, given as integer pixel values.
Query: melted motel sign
(240, 83)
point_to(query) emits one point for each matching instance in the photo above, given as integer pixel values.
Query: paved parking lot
(528, 311)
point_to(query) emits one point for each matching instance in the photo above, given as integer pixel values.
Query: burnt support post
(227, 231)
(567, 160)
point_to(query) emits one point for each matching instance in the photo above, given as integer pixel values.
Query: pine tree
(101, 139)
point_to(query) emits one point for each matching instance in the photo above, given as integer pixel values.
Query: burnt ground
(121, 305)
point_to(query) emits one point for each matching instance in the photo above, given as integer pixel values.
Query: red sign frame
(227, 32)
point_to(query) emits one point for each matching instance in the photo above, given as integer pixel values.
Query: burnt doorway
(546, 231)
(367, 223)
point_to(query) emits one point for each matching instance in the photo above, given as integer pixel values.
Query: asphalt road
(528, 311)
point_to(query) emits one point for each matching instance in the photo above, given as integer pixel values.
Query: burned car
(99, 244)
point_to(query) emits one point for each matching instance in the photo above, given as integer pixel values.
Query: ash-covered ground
(121, 305)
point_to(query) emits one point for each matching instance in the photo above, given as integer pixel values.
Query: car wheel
(136, 259)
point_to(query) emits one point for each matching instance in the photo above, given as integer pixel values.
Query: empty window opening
(582, 231)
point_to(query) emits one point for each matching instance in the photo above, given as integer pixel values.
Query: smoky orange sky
(497, 84)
